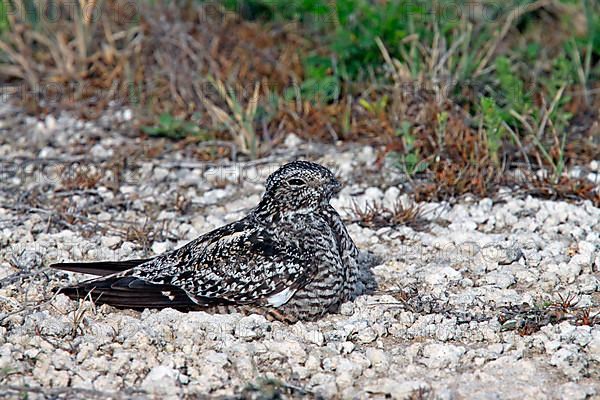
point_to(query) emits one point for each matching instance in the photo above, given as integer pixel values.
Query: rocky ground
(482, 298)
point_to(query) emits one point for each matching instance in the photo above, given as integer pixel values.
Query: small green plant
(239, 121)
(592, 42)
(358, 24)
(281, 10)
(350, 27)
(321, 83)
(494, 131)
(442, 123)
(410, 161)
(545, 304)
(173, 128)
(512, 106)
(4, 12)
(376, 107)
(555, 118)
(512, 90)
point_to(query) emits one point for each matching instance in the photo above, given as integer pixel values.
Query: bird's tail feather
(130, 292)
(100, 268)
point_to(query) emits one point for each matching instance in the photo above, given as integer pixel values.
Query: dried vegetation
(526, 319)
(461, 105)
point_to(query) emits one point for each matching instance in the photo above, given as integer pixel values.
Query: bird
(290, 258)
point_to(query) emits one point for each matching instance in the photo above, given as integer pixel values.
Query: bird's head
(300, 186)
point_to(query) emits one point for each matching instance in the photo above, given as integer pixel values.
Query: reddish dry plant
(529, 328)
(566, 303)
(345, 119)
(402, 294)
(138, 54)
(72, 59)
(182, 203)
(452, 180)
(145, 234)
(376, 215)
(526, 320)
(584, 317)
(422, 393)
(564, 189)
(78, 177)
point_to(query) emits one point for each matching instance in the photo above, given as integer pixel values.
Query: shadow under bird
(290, 258)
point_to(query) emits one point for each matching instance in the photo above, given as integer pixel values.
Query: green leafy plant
(512, 90)
(301, 10)
(358, 24)
(321, 83)
(4, 22)
(411, 161)
(442, 123)
(555, 118)
(492, 121)
(239, 120)
(173, 128)
(376, 107)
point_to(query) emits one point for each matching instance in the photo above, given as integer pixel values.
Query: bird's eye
(295, 182)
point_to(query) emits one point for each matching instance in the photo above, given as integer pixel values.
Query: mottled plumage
(290, 258)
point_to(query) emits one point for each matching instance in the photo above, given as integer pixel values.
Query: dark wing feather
(100, 268)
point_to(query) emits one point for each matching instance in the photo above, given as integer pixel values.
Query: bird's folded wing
(242, 266)
(235, 264)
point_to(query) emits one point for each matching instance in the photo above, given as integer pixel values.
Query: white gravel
(449, 335)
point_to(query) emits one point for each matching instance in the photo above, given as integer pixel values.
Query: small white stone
(437, 355)
(161, 379)
(289, 348)
(377, 357)
(104, 216)
(366, 335)
(314, 336)
(292, 141)
(160, 173)
(373, 194)
(391, 197)
(50, 123)
(593, 177)
(127, 114)
(347, 309)
(125, 189)
(576, 391)
(313, 363)
(347, 347)
(110, 241)
(251, 327)
(569, 361)
(502, 280)
(367, 155)
(160, 247)
(326, 390)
